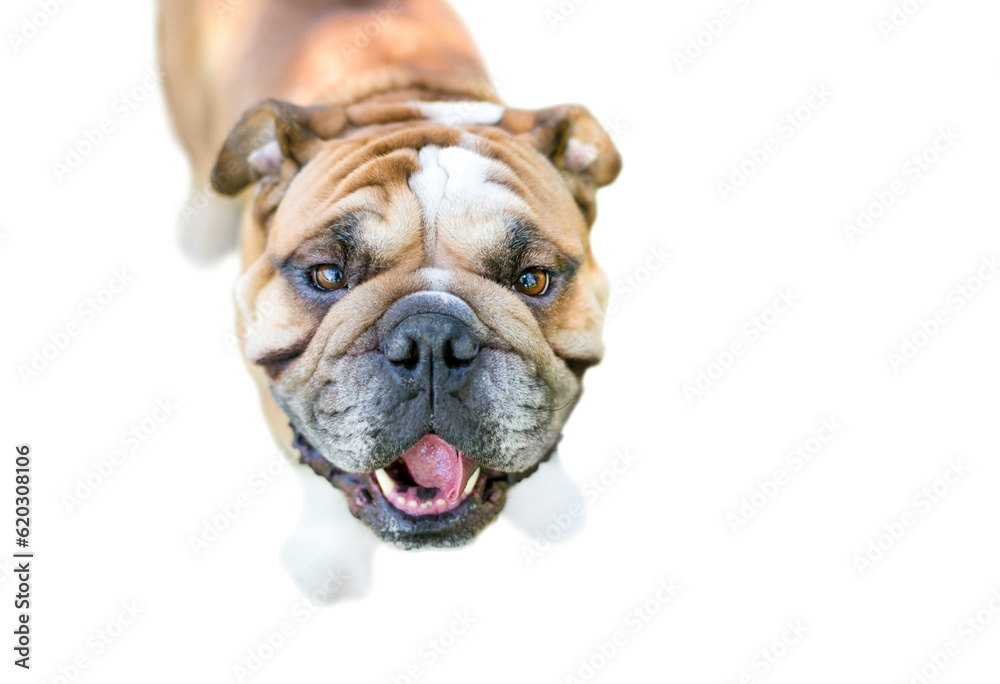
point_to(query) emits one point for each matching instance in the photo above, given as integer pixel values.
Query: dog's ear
(575, 143)
(271, 141)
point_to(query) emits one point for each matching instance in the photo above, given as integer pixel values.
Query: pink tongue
(434, 463)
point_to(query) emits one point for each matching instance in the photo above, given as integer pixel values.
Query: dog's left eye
(328, 277)
(533, 282)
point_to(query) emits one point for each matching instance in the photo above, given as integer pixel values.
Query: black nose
(431, 349)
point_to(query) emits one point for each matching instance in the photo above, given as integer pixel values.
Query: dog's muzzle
(430, 349)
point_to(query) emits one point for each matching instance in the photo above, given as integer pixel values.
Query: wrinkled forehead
(473, 204)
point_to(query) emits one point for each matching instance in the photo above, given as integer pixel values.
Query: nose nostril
(460, 351)
(410, 362)
(403, 352)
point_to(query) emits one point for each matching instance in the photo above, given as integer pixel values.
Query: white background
(680, 131)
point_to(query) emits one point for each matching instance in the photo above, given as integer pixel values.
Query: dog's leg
(329, 543)
(547, 497)
(190, 62)
(209, 224)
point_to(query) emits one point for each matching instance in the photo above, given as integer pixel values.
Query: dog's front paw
(328, 562)
(208, 225)
(329, 555)
(548, 504)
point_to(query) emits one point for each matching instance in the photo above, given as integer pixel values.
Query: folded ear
(575, 143)
(271, 141)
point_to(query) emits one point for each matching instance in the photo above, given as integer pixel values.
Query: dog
(418, 301)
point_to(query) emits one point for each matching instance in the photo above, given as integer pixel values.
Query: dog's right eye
(533, 282)
(328, 277)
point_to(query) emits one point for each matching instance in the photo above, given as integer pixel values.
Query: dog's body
(419, 298)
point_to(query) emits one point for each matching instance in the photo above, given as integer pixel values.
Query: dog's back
(220, 56)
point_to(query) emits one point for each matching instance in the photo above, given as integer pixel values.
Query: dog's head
(420, 295)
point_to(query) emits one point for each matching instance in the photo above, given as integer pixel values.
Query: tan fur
(221, 56)
(354, 154)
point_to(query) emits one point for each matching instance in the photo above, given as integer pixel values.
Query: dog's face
(421, 298)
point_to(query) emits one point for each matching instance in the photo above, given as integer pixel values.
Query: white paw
(328, 562)
(547, 498)
(329, 555)
(208, 224)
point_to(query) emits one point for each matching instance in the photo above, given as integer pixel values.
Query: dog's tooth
(472, 481)
(384, 481)
(401, 500)
(412, 503)
(440, 502)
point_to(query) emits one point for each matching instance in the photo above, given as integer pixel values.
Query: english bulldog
(419, 301)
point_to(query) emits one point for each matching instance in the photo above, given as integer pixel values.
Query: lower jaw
(452, 528)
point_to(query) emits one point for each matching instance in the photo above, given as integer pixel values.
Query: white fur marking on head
(429, 183)
(458, 113)
(462, 197)
(454, 179)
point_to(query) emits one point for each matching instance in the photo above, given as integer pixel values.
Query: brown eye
(328, 277)
(533, 282)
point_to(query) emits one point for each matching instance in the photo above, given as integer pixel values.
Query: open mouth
(430, 478)
(432, 495)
